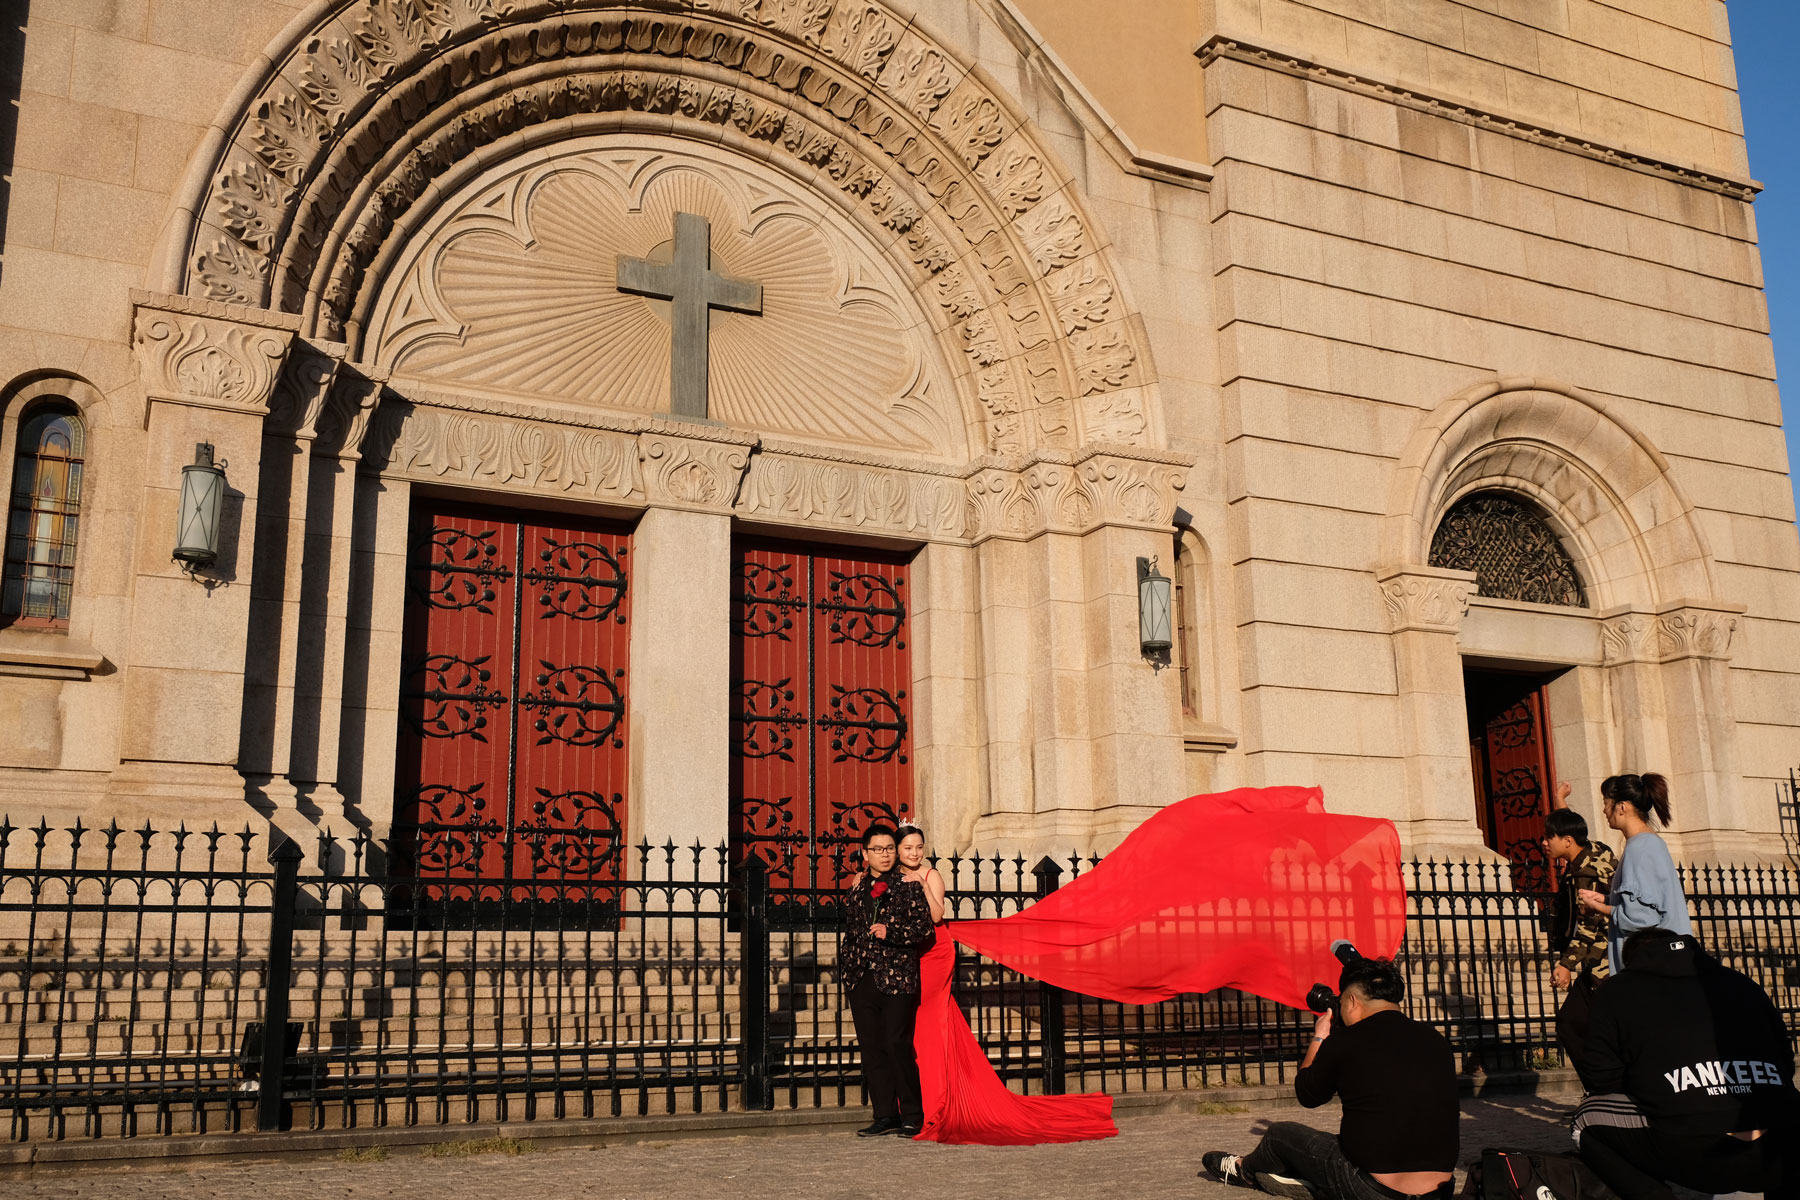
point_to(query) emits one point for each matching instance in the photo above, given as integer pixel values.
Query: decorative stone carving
(424, 441)
(333, 159)
(861, 37)
(526, 448)
(1054, 234)
(528, 255)
(796, 487)
(209, 355)
(1426, 599)
(301, 391)
(1063, 493)
(692, 472)
(1085, 297)
(1116, 417)
(350, 406)
(1669, 635)
(1104, 359)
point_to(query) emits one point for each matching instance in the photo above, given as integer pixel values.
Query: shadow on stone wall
(14, 15)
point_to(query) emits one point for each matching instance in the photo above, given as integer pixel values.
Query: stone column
(209, 372)
(1008, 700)
(1426, 606)
(1084, 735)
(369, 729)
(1674, 666)
(677, 684)
(949, 767)
(266, 732)
(1628, 648)
(325, 592)
(1139, 749)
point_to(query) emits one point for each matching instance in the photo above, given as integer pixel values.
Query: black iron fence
(139, 970)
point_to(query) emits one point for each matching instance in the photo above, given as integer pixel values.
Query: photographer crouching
(1397, 1079)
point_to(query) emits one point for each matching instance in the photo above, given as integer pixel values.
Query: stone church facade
(706, 419)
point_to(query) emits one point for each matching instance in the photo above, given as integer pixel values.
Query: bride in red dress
(965, 1101)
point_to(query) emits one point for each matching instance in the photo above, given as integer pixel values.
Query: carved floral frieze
(368, 116)
(1668, 636)
(1426, 599)
(207, 354)
(655, 461)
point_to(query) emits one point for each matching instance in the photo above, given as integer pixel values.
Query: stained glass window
(44, 517)
(1511, 548)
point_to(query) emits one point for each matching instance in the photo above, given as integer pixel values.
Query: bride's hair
(901, 833)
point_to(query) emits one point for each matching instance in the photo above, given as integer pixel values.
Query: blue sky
(1764, 34)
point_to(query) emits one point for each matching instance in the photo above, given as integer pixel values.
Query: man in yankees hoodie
(1703, 1053)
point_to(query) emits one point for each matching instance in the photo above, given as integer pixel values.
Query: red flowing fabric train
(965, 1102)
(1244, 889)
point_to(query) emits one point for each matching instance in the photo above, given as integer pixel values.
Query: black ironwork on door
(821, 716)
(512, 742)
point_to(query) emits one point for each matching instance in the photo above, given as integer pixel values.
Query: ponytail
(1646, 793)
(1656, 789)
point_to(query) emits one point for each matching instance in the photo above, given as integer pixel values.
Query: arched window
(1192, 616)
(44, 516)
(1511, 548)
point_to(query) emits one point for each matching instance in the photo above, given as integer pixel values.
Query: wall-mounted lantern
(197, 518)
(1155, 606)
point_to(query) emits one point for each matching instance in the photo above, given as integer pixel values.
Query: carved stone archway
(1604, 488)
(370, 110)
(373, 123)
(1650, 647)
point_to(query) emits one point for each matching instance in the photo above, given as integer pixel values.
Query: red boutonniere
(877, 890)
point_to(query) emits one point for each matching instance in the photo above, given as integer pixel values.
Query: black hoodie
(1700, 1047)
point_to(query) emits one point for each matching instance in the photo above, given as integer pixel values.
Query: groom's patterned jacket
(892, 963)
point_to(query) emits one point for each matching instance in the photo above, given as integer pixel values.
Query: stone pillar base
(1441, 839)
(167, 792)
(1727, 846)
(1057, 833)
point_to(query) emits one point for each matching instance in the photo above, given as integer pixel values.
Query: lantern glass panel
(1155, 609)
(197, 522)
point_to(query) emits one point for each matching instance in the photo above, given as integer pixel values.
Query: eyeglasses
(880, 850)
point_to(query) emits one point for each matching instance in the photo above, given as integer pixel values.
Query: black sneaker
(908, 1130)
(881, 1127)
(1227, 1169)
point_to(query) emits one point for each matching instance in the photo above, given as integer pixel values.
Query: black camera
(1321, 999)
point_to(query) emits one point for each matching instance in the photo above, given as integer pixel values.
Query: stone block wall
(1653, 77)
(1378, 252)
(114, 98)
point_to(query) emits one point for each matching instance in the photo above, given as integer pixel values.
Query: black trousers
(1639, 1164)
(884, 1032)
(1573, 1017)
(1316, 1159)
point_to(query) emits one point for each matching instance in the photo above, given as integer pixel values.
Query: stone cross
(693, 290)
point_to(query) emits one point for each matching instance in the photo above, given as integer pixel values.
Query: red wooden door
(1519, 778)
(512, 755)
(821, 718)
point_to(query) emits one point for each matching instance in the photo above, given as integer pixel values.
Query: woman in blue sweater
(1646, 893)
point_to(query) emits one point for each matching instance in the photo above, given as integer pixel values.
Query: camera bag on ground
(1524, 1175)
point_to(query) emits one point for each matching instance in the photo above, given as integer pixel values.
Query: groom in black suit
(887, 927)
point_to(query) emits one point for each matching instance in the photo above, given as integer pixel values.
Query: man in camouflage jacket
(887, 926)
(1577, 935)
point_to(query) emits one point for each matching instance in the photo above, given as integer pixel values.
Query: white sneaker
(1283, 1186)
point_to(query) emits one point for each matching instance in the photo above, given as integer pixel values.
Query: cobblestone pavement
(1153, 1156)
